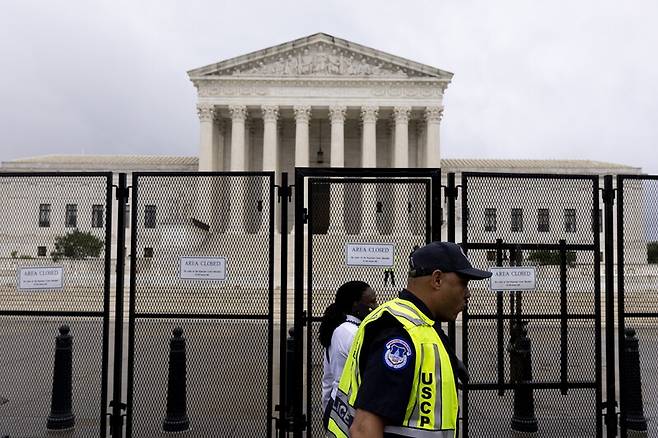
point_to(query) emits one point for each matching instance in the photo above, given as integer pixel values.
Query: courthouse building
(318, 101)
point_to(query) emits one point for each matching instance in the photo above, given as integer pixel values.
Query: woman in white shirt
(354, 301)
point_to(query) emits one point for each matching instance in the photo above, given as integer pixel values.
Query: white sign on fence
(41, 277)
(203, 268)
(369, 254)
(513, 279)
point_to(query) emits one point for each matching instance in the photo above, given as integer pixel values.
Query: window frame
(45, 211)
(71, 216)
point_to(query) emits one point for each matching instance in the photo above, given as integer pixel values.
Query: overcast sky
(533, 79)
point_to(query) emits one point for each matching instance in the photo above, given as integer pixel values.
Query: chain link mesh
(227, 323)
(639, 278)
(529, 213)
(37, 212)
(343, 212)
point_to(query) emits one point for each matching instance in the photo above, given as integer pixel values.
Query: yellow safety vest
(433, 406)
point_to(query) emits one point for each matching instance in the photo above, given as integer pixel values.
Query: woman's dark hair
(337, 312)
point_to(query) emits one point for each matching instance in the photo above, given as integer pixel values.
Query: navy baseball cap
(445, 257)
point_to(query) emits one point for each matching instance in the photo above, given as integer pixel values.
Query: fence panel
(55, 238)
(535, 355)
(202, 261)
(637, 280)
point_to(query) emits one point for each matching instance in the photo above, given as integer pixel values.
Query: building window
(543, 220)
(489, 219)
(127, 216)
(97, 216)
(570, 220)
(41, 251)
(491, 256)
(44, 215)
(517, 220)
(71, 219)
(149, 216)
(148, 252)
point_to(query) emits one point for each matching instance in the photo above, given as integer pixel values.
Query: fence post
(61, 416)
(176, 420)
(611, 402)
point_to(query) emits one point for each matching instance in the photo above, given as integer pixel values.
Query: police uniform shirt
(387, 370)
(335, 357)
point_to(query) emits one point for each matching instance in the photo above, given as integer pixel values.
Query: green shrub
(652, 252)
(545, 257)
(77, 245)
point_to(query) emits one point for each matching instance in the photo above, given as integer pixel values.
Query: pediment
(319, 55)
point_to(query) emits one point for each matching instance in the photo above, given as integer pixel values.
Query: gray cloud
(558, 79)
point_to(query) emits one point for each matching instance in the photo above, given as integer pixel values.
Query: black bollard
(176, 420)
(61, 416)
(520, 350)
(632, 416)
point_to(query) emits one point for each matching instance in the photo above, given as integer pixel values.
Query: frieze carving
(206, 113)
(320, 60)
(318, 87)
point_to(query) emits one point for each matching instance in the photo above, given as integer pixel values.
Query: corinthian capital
(401, 114)
(270, 113)
(433, 113)
(206, 112)
(337, 113)
(238, 112)
(302, 113)
(369, 114)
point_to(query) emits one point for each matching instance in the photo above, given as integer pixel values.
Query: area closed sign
(203, 268)
(513, 279)
(41, 278)
(369, 254)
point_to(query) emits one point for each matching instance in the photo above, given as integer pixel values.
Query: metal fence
(637, 281)
(345, 209)
(202, 263)
(197, 347)
(535, 355)
(54, 302)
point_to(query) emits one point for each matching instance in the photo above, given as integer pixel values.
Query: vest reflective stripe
(433, 404)
(420, 433)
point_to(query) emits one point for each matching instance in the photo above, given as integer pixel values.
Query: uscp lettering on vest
(427, 387)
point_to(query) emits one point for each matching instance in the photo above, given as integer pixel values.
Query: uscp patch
(396, 355)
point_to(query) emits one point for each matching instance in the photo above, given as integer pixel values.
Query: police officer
(400, 377)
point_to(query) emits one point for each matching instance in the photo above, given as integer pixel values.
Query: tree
(652, 252)
(77, 245)
(545, 257)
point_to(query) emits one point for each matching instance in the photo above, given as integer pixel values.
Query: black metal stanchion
(632, 416)
(520, 350)
(176, 420)
(61, 415)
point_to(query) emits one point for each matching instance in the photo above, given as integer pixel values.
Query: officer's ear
(436, 278)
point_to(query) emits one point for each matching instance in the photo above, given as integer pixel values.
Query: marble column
(236, 218)
(401, 147)
(337, 115)
(206, 114)
(238, 117)
(302, 117)
(369, 139)
(433, 116)
(219, 129)
(270, 146)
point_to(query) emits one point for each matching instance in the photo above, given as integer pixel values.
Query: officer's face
(452, 295)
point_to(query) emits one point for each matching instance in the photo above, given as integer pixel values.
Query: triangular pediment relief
(319, 55)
